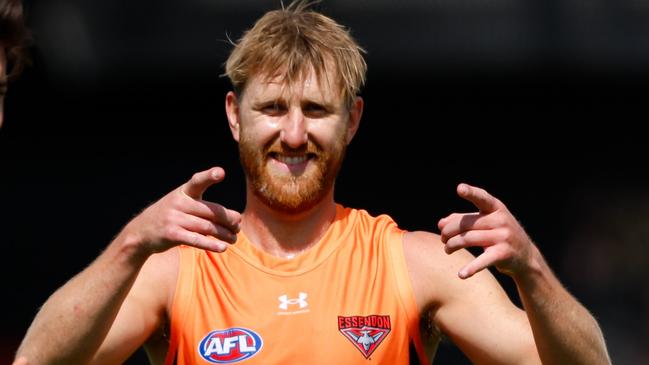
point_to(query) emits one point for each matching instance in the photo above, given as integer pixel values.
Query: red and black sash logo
(365, 332)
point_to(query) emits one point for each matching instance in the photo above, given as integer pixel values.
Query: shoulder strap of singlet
(394, 244)
(184, 290)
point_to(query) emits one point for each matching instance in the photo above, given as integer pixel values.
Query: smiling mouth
(292, 160)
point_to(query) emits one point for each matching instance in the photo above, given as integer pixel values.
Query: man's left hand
(506, 244)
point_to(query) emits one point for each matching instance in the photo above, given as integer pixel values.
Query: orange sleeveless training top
(346, 300)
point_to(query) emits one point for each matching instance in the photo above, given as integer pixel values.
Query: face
(292, 139)
(3, 81)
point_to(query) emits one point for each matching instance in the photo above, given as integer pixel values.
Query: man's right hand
(183, 217)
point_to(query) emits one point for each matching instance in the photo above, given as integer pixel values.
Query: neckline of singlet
(304, 262)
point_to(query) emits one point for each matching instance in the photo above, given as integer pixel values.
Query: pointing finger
(479, 197)
(196, 186)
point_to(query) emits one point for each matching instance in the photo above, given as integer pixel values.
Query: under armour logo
(284, 301)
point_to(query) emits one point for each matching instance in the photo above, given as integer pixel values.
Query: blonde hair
(289, 41)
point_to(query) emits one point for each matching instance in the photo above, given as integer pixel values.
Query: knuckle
(193, 238)
(179, 198)
(195, 180)
(500, 219)
(172, 233)
(505, 253)
(208, 227)
(500, 235)
(168, 219)
(505, 234)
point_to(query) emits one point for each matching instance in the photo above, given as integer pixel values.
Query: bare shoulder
(432, 271)
(459, 306)
(434, 275)
(426, 248)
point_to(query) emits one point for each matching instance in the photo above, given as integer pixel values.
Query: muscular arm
(564, 331)
(74, 321)
(475, 314)
(144, 311)
(108, 310)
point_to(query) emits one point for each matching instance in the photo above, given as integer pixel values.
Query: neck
(283, 234)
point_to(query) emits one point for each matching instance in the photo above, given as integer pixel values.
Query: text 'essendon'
(378, 321)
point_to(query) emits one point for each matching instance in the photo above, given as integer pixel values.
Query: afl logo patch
(230, 345)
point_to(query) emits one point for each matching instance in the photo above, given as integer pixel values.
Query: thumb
(200, 181)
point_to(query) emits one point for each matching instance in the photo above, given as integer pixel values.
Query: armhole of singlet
(184, 290)
(394, 240)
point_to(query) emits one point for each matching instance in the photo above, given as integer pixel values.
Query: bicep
(143, 311)
(474, 313)
(481, 320)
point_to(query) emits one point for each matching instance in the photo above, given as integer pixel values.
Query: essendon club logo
(365, 332)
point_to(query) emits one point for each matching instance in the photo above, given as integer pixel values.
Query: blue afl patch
(230, 345)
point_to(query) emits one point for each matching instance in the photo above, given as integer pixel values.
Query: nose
(294, 129)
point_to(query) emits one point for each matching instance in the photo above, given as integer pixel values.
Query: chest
(347, 309)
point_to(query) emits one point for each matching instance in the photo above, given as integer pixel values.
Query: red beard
(291, 193)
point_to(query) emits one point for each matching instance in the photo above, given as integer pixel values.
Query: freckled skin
(272, 121)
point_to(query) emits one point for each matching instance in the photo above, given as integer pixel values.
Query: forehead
(306, 85)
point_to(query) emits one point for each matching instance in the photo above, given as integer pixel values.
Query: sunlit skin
(292, 134)
(292, 140)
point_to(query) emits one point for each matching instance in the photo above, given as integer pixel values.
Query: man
(13, 37)
(297, 277)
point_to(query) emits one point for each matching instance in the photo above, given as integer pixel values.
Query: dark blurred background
(540, 102)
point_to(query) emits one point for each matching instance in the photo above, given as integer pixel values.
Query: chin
(291, 197)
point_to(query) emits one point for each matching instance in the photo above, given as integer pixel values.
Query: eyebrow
(266, 101)
(323, 103)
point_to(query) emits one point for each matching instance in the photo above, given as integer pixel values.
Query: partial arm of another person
(476, 313)
(117, 301)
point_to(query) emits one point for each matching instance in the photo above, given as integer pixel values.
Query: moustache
(281, 148)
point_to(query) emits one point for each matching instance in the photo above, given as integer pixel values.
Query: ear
(232, 111)
(355, 114)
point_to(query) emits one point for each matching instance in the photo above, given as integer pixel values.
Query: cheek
(328, 132)
(259, 130)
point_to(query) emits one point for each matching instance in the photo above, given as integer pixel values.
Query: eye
(273, 108)
(314, 110)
